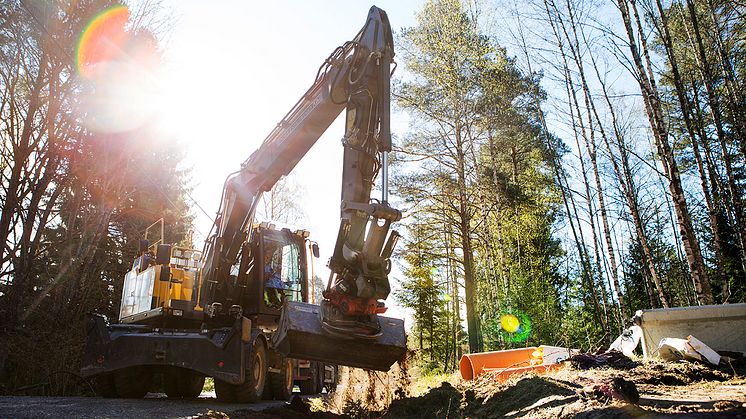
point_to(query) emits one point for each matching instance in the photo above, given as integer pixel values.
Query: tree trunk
(657, 125)
(629, 189)
(710, 184)
(466, 245)
(590, 144)
(589, 201)
(575, 112)
(456, 300)
(703, 66)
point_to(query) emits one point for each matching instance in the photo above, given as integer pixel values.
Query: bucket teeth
(360, 327)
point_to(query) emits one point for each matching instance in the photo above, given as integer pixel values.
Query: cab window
(282, 274)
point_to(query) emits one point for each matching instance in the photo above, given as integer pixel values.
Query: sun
(117, 68)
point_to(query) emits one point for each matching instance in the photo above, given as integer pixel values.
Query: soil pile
(361, 392)
(649, 389)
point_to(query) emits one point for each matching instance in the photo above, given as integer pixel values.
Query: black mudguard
(218, 353)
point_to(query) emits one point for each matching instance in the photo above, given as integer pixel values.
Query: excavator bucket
(301, 336)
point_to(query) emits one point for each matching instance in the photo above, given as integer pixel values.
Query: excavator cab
(284, 275)
(273, 268)
(272, 282)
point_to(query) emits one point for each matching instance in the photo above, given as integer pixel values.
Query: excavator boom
(346, 329)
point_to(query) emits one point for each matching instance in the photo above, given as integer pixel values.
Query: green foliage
(425, 296)
(481, 191)
(672, 270)
(83, 199)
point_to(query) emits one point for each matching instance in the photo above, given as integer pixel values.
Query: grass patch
(209, 384)
(423, 384)
(317, 404)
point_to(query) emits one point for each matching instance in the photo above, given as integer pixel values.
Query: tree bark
(657, 125)
(703, 66)
(590, 144)
(466, 245)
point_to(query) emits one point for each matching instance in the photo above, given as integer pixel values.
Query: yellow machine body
(151, 289)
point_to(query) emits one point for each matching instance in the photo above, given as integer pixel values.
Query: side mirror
(315, 249)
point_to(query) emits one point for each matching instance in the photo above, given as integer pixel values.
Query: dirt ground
(647, 389)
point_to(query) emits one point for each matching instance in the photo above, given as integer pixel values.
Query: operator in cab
(274, 288)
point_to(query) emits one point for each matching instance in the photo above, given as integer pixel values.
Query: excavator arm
(354, 78)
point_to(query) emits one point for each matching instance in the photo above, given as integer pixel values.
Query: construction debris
(674, 349)
(721, 327)
(627, 342)
(616, 388)
(611, 358)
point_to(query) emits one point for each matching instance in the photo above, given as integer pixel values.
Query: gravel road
(153, 406)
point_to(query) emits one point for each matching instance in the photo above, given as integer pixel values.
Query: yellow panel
(177, 274)
(187, 285)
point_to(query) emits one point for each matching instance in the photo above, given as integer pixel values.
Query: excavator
(241, 310)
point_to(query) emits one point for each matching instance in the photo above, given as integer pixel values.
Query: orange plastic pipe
(473, 365)
(502, 374)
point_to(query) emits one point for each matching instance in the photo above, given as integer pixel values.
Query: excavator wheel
(256, 379)
(256, 375)
(180, 383)
(282, 382)
(225, 392)
(133, 382)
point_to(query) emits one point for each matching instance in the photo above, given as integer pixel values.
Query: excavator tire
(256, 379)
(256, 375)
(225, 392)
(181, 383)
(104, 386)
(311, 386)
(133, 382)
(282, 382)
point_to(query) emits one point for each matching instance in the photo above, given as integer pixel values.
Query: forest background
(567, 163)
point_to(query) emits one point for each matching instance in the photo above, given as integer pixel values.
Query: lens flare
(514, 326)
(509, 323)
(102, 40)
(119, 68)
